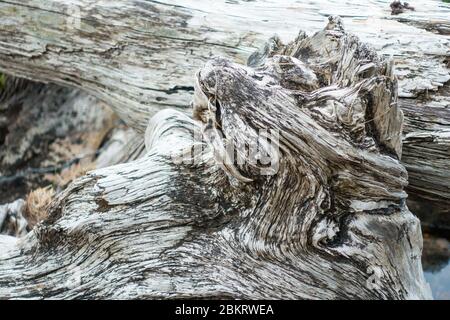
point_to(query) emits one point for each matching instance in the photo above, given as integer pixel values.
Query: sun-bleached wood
(329, 223)
(140, 56)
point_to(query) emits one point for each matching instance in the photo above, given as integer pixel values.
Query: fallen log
(140, 56)
(313, 207)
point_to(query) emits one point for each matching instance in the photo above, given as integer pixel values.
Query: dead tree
(329, 220)
(140, 56)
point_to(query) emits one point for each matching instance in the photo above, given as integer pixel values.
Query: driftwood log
(286, 184)
(50, 135)
(140, 56)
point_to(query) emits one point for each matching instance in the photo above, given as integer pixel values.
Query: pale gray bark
(330, 223)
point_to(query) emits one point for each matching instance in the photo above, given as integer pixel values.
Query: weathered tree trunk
(317, 210)
(140, 56)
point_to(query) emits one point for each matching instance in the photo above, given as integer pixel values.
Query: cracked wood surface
(330, 223)
(140, 56)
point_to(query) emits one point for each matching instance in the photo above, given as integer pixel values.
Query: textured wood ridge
(329, 220)
(140, 56)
